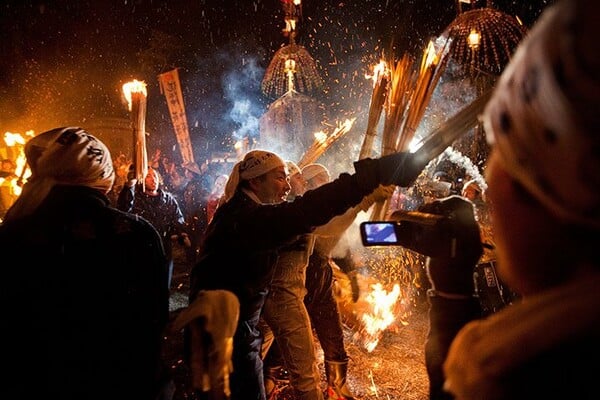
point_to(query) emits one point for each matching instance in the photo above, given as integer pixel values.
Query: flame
(323, 141)
(16, 142)
(430, 57)
(134, 86)
(320, 136)
(382, 314)
(11, 139)
(379, 70)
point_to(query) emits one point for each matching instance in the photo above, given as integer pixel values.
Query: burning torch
(135, 93)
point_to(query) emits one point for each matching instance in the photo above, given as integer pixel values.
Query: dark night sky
(63, 62)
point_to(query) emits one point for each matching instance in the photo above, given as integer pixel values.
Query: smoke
(240, 89)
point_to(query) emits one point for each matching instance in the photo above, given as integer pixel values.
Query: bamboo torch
(412, 91)
(398, 96)
(322, 142)
(380, 83)
(135, 93)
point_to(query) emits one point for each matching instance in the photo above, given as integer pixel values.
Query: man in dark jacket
(159, 207)
(241, 244)
(85, 306)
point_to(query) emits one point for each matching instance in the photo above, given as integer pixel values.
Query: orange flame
(131, 87)
(320, 136)
(16, 142)
(379, 70)
(382, 314)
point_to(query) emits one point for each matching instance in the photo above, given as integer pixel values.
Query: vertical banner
(171, 89)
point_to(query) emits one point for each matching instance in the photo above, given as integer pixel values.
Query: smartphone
(378, 233)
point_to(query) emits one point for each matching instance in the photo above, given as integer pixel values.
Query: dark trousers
(247, 381)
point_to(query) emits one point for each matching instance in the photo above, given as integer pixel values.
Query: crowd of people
(95, 261)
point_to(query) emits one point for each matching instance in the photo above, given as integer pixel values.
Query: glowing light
(320, 136)
(12, 139)
(474, 39)
(499, 34)
(430, 57)
(134, 86)
(379, 70)
(382, 314)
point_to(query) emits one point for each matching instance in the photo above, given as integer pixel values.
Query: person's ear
(253, 184)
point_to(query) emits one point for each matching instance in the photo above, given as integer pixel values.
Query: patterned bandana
(544, 118)
(63, 156)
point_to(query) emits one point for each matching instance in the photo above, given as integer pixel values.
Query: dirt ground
(394, 369)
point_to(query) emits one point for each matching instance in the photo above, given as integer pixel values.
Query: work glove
(453, 273)
(400, 169)
(380, 194)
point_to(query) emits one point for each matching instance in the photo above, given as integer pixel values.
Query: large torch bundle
(409, 93)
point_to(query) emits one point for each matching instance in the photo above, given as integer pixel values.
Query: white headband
(63, 156)
(254, 164)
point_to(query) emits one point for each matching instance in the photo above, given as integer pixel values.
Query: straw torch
(380, 82)
(135, 93)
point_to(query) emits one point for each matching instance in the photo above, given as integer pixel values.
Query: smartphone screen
(378, 233)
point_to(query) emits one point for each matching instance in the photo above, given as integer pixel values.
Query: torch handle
(452, 129)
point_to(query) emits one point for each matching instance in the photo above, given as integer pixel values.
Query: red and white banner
(171, 88)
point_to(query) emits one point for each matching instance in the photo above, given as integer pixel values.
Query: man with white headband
(86, 303)
(543, 178)
(242, 241)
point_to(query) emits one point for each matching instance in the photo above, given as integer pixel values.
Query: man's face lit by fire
(152, 181)
(272, 187)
